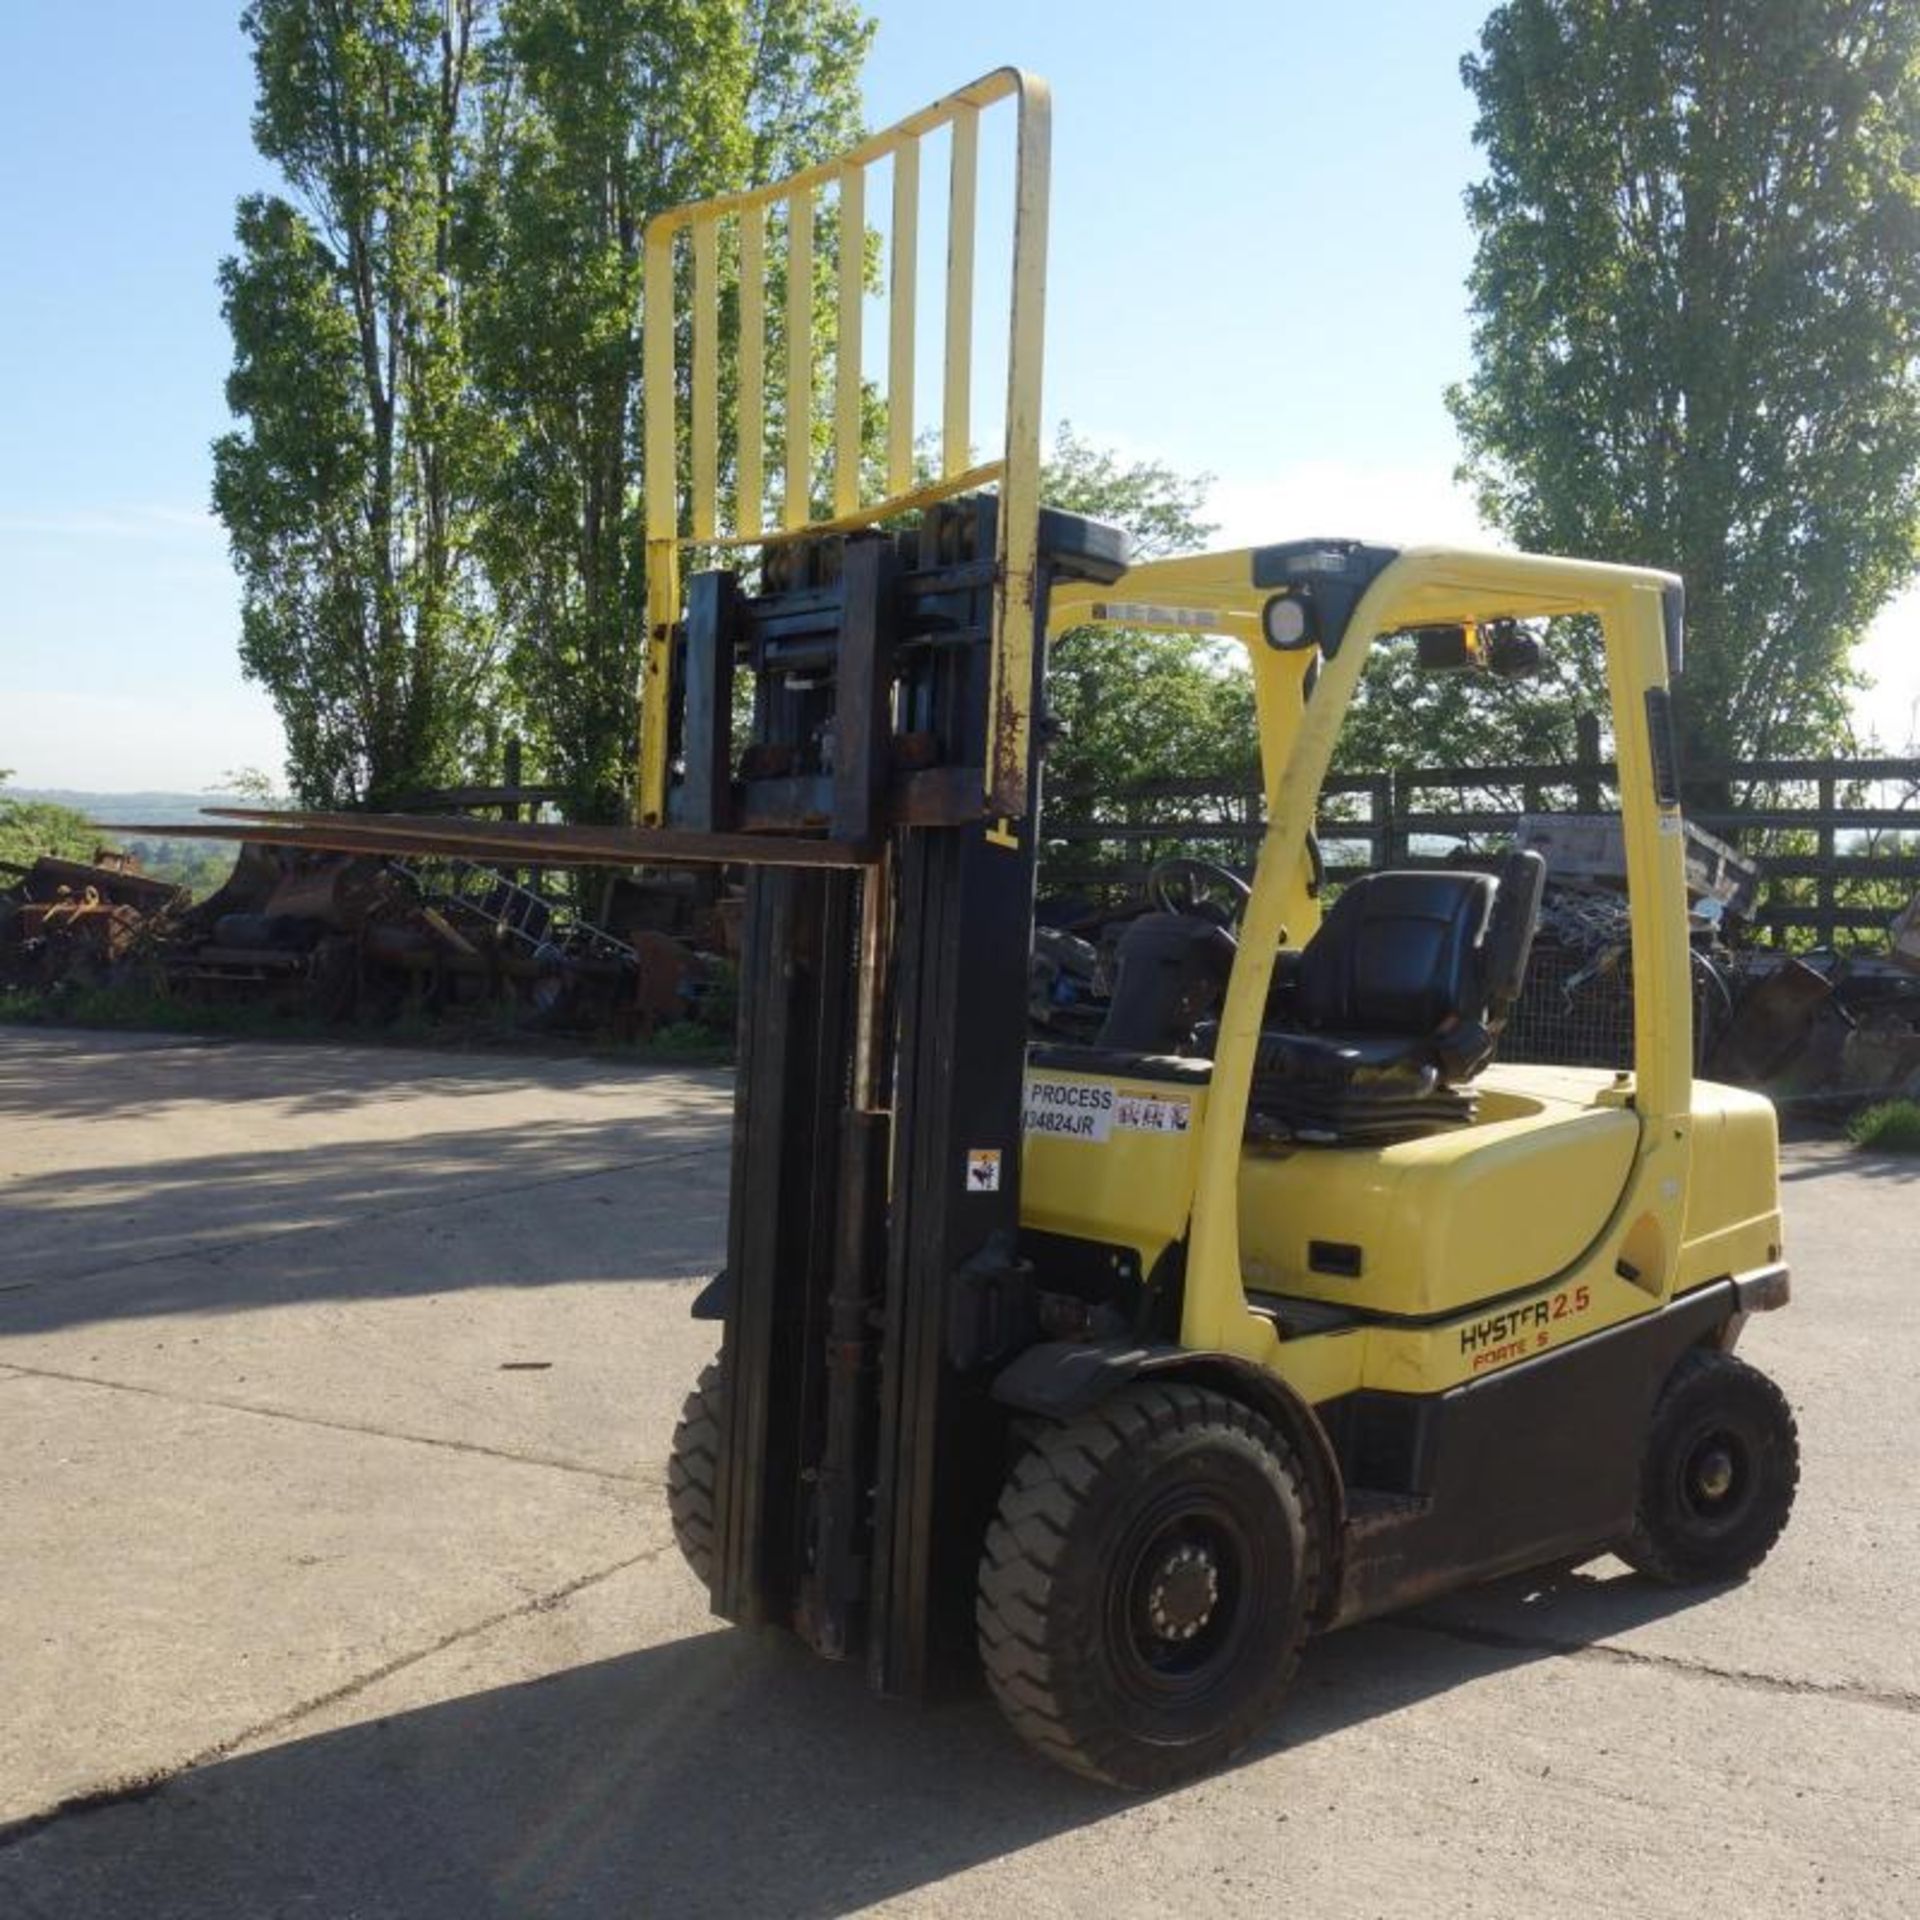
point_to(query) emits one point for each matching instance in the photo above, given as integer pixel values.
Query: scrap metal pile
(344, 936)
(1824, 1031)
(73, 919)
(368, 935)
(1822, 1028)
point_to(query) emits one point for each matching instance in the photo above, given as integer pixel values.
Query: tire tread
(692, 1472)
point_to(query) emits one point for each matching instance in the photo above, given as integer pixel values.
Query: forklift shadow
(723, 1774)
(1569, 1608)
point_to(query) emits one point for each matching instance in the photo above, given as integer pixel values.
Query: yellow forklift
(1117, 1370)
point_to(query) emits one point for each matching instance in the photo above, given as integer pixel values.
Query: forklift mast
(892, 674)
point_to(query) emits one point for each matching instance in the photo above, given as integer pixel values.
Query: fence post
(511, 768)
(1586, 752)
(1380, 836)
(1824, 897)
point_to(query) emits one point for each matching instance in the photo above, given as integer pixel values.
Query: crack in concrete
(1852, 1693)
(122, 1792)
(554, 1462)
(483, 1189)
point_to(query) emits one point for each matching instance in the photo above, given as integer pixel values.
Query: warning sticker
(1071, 1109)
(1153, 1113)
(983, 1169)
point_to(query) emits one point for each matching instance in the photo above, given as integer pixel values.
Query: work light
(1290, 621)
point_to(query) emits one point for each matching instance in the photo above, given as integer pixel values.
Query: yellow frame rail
(672, 524)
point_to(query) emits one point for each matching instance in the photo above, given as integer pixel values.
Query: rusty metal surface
(102, 925)
(662, 979)
(342, 893)
(113, 881)
(1772, 1024)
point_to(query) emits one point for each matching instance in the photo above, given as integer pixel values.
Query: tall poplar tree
(1696, 295)
(350, 485)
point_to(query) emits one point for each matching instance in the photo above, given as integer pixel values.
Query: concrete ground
(334, 1392)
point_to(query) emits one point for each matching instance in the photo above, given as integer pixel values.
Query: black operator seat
(1383, 1019)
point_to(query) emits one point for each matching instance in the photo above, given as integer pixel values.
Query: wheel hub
(1713, 1474)
(1183, 1592)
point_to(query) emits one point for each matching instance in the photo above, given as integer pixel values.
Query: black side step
(1297, 1319)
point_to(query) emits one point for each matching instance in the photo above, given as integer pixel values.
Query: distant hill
(154, 809)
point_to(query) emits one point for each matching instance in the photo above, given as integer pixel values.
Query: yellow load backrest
(673, 523)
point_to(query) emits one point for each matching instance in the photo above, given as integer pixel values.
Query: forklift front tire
(1718, 1476)
(691, 1468)
(1147, 1585)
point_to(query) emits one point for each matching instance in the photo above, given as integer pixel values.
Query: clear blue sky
(1257, 264)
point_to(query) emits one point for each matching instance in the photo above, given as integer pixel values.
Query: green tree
(253, 785)
(198, 866)
(1696, 296)
(31, 828)
(603, 113)
(350, 488)
(1136, 705)
(1406, 717)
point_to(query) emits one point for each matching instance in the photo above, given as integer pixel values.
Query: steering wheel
(1180, 884)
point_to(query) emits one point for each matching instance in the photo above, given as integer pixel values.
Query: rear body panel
(1432, 1226)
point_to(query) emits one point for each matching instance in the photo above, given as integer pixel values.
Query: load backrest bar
(1015, 470)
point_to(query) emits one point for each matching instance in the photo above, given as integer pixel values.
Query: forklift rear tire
(691, 1469)
(1147, 1585)
(1718, 1476)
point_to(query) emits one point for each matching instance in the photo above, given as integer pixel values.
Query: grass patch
(135, 1009)
(1891, 1127)
(688, 1040)
(141, 1010)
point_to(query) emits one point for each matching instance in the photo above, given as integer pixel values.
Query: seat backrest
(1509, 941)
(1170, 968)
(1399, 954)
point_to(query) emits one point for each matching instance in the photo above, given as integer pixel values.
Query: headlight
(1290, 621)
